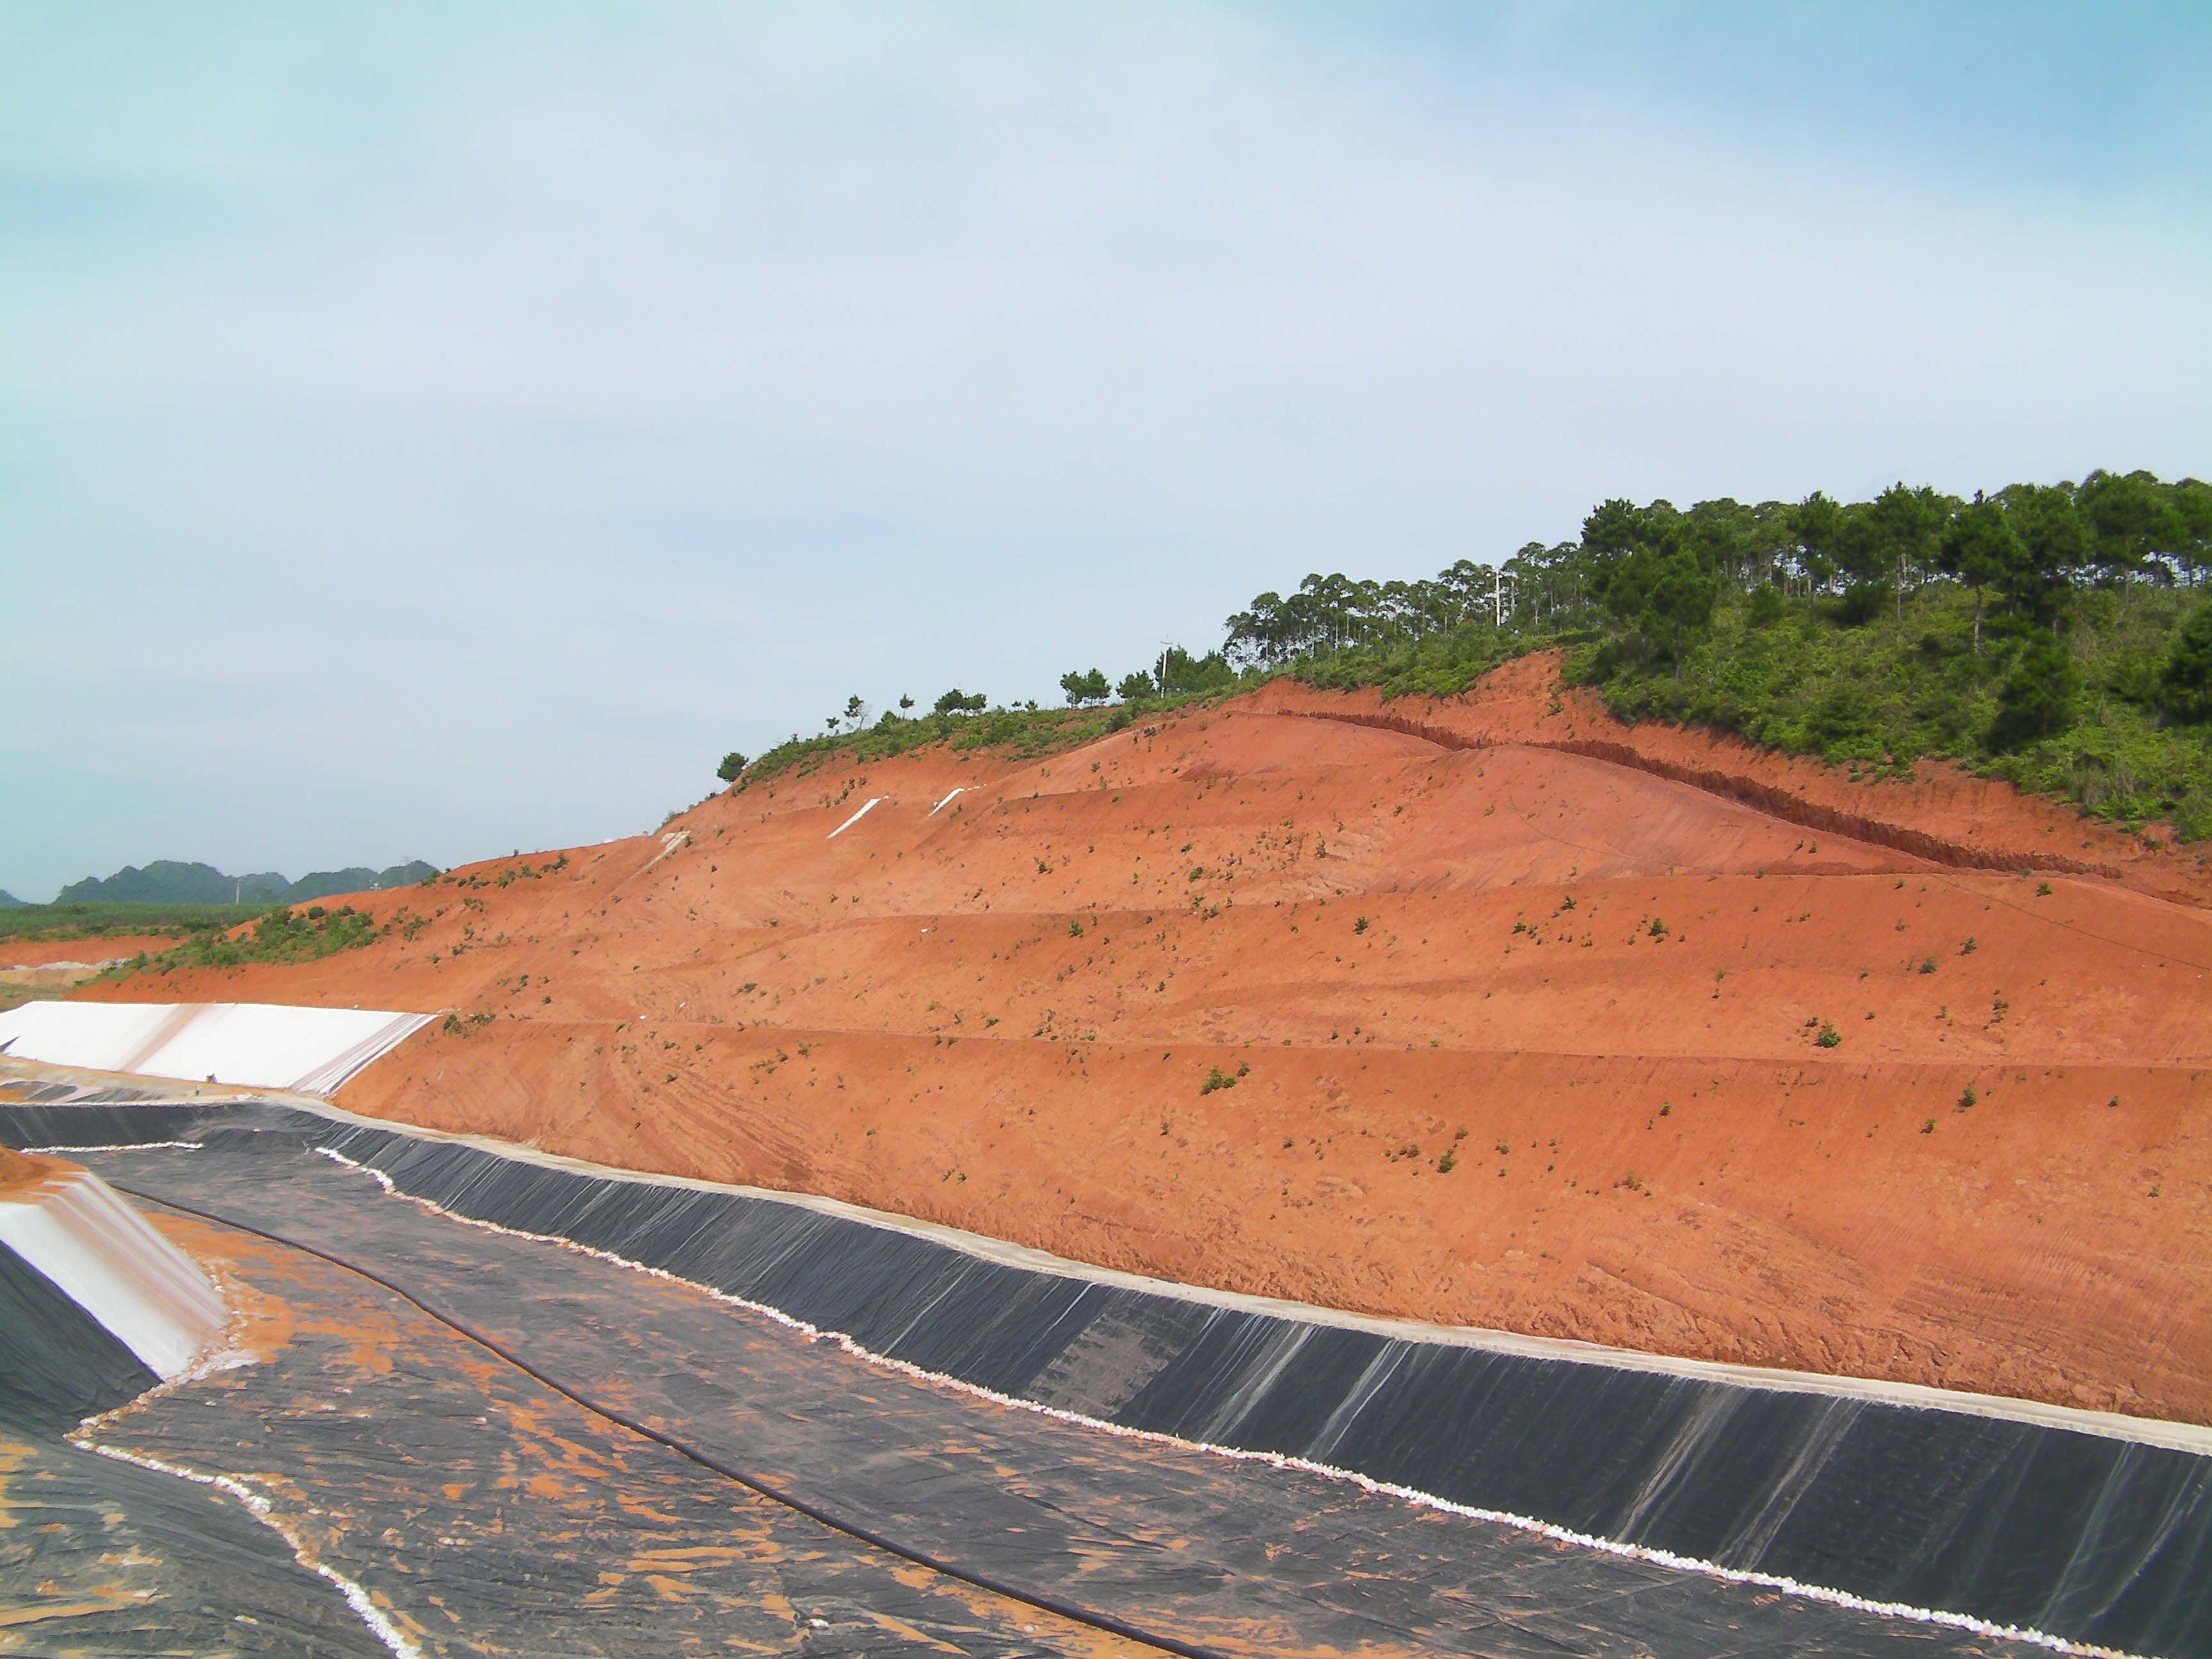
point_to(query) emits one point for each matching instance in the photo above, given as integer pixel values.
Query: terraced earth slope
(1490, 1011)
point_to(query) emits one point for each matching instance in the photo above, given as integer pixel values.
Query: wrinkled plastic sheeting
(256, 1044)
(91, 1246)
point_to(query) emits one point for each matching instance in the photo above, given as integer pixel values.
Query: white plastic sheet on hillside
(256, 1044)
(98, 1252)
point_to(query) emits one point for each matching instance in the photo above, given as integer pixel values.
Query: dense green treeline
(2055, 635)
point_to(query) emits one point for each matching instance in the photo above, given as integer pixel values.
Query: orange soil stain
(23, 1174)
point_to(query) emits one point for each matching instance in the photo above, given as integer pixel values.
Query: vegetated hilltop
(167, 882)
(2052, 635)
(1517, 1016)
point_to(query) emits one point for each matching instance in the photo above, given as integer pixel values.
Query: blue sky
(435, 430)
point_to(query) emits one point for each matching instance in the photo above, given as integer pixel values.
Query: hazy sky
(431, 431)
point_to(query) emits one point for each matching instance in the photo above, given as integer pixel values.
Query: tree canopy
(1085, 685)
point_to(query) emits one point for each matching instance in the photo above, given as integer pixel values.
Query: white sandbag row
(95, 1249)
(254, 1044)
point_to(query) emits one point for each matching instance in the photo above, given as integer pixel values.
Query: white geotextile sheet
(259, 1044)
(98, 1252)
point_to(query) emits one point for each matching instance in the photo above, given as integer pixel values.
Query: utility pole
(1498, 596)
(1161, 679)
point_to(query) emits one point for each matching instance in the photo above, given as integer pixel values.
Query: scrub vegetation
(280, 935)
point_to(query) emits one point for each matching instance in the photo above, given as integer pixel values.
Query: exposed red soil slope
(1602, 992)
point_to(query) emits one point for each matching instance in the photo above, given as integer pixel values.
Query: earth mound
(1490, 1011)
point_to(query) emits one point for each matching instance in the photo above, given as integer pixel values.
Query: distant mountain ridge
(167, 882)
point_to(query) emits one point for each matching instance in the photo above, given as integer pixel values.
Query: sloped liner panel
(256, 1044)
(58, 1363)
(96, 1304)
(98, 1251)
